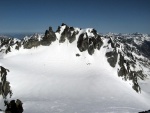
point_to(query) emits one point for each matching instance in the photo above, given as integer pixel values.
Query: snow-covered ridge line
(122, 53)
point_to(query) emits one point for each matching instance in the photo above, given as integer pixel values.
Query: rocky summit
(127, 53)
(75, 70)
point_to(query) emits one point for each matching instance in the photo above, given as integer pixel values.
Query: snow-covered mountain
(78, 70)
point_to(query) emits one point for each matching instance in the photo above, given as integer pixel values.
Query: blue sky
(120, 16)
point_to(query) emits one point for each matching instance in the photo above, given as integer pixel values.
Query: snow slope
(52, 79)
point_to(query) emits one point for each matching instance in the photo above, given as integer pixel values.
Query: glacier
(54, 79)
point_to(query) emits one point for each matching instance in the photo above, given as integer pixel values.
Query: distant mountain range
(16, 35)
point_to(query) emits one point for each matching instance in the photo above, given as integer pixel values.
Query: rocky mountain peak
(128, 54)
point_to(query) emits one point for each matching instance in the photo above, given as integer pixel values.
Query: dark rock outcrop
(144, 48)
(4, 84)
(68, 33)
(77, 54)
(5, 41)
(14, 106)
(18, 45)
(34, 41)
(72, 36)
(49, 36)
(91, 48)
(8, 43)
(112, 58)
(127, 62)
(90, 44)
(111, 42)
(83, 42)
(112, 55)
(65, 34)
(145, 111)
(58, 29)
(98, 42)
(31, 43)
(129, 74)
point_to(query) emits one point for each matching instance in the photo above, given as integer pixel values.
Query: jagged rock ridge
(129, 54)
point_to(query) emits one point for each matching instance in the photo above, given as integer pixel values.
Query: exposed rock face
(18, 45)
(4, 84)
(72, 36)
(36, 41)
(32, 42)
(49, 37)
(86, 42)
(77, 54)
(91, 48)
(14, 106)
(58, 29)
(144, 48)
(122, 56)
(112, 55)
(127, 62)
(112, 58)
(7, 43)
(68, 33)
(83, 42)
(145, 111)
(128, 74)
(5, 89)
(98, 42)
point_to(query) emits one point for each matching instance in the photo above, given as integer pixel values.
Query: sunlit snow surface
(52, 79)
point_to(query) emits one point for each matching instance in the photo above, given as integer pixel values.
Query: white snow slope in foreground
(51, 79)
